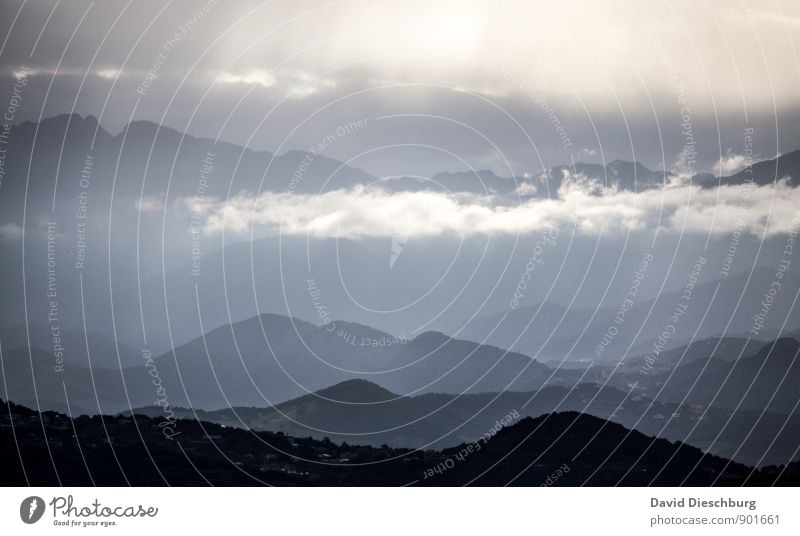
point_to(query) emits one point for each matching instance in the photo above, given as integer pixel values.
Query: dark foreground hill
(358, 411)
(574, 449)
(50, 449)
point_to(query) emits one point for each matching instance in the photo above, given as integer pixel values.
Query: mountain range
(406, 341)
(139, 284)
(274, 373)
(548, 331)
(361, 412)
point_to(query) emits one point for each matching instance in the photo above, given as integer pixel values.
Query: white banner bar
(355, 511)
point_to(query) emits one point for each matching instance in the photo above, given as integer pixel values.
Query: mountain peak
(433, 337)
(357, 391)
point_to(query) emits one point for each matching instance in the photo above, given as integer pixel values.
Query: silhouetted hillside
(50, 448)
(571, 449)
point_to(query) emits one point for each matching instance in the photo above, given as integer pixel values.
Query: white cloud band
(363, 212)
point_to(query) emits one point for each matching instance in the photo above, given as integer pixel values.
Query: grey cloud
(289, 64)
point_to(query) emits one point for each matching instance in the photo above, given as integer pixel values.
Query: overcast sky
(511, 86)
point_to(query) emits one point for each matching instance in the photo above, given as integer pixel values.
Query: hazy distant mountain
(51, 163)
(724, 348)
(764, 381)
(269, 359)
(552, 332)
(103, 350)
(31, 377)
(479, 182)
(766, 172)
(618, 174)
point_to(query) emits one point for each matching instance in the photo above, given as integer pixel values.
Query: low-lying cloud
(365, 212)
(731, 163)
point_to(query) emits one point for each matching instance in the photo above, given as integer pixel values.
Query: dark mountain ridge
(45, 449)
(360, 411)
